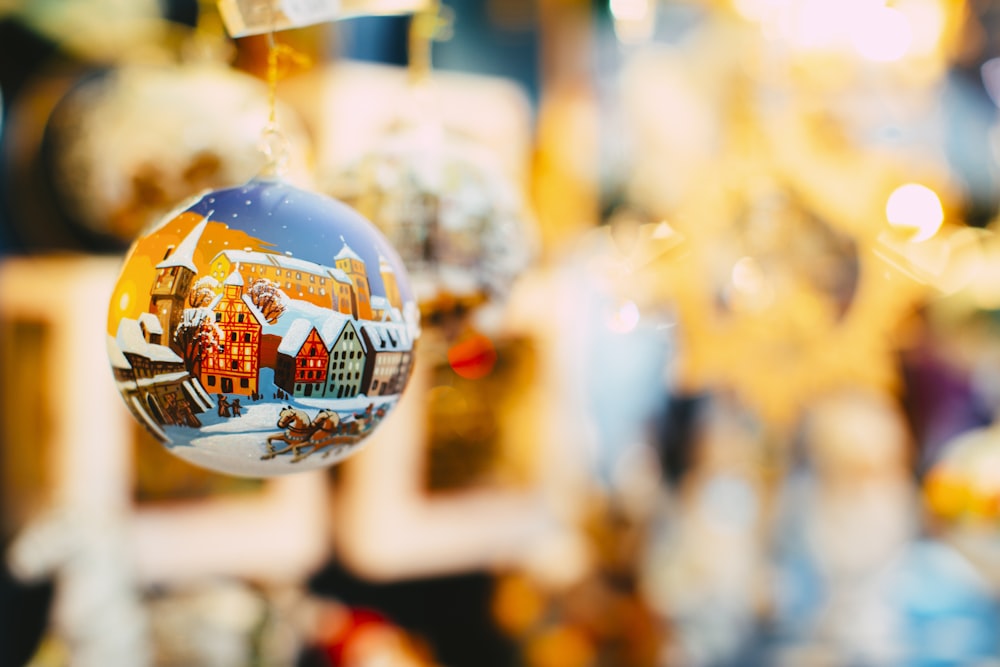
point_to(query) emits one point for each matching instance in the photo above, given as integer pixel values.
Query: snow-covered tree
(198, 337)
(202, 292)
(268, 298)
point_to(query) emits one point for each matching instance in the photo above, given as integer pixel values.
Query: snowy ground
(235, 444)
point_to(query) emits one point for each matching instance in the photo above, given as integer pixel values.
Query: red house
(302, 361)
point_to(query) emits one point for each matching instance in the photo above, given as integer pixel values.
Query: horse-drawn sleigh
(304, 436)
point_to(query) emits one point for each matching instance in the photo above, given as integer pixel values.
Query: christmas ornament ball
(262, 329)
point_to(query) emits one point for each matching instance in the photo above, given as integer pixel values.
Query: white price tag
(308, 12)
(254, 17)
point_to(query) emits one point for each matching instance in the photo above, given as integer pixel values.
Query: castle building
(353, 266)
(234, 369)
(174, 275)
(298, 278)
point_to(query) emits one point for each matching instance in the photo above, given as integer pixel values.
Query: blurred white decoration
(634, 20)
(209, 623)
(130, 144)
(624, 340)
(457, 220)
(711, 599)
(862, 511)
(441, 167)
(97, 612)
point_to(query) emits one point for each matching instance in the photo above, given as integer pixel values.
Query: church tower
(389, 280)
(174, 275)
(351, 263)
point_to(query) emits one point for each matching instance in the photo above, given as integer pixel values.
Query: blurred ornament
(97, 30)
(262, 329)
(124, 146)
(446, 202)
(964, 484)
(449, 209)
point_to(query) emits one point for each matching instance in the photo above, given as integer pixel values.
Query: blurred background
(710, 359)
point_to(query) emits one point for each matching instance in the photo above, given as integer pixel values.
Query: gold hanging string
(281, 59)
(433, 23)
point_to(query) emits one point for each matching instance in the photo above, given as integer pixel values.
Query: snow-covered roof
(386, 336)
(296, 336)
(131, 341)
(151, 323)
(254, 310)
(347, 253)
(183, 254)
(339, 276)
(332, 328)
(383, 264)
(115, 355)
(244, 256)
(234, 278)
(162, 378)
(390, 314)
(284, 262)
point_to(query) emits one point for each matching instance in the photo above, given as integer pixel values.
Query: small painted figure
(236, 407)
(171, 410)
(223, 406)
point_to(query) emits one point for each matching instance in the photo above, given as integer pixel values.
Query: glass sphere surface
(262, 329)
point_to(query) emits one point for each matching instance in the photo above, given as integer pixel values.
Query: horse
(330, 430)
(297, 427)
(301, 433)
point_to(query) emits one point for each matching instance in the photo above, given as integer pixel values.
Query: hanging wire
(281, 58)
(433, 23)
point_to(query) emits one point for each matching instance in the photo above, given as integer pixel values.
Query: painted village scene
(262, 330)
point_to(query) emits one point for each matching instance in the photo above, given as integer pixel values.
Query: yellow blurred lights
(926, 20)
(759, 10)
(916, 209)
(869, 28)
(883, 36)
(747, 276)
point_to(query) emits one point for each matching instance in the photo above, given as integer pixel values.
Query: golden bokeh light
(916, 210)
